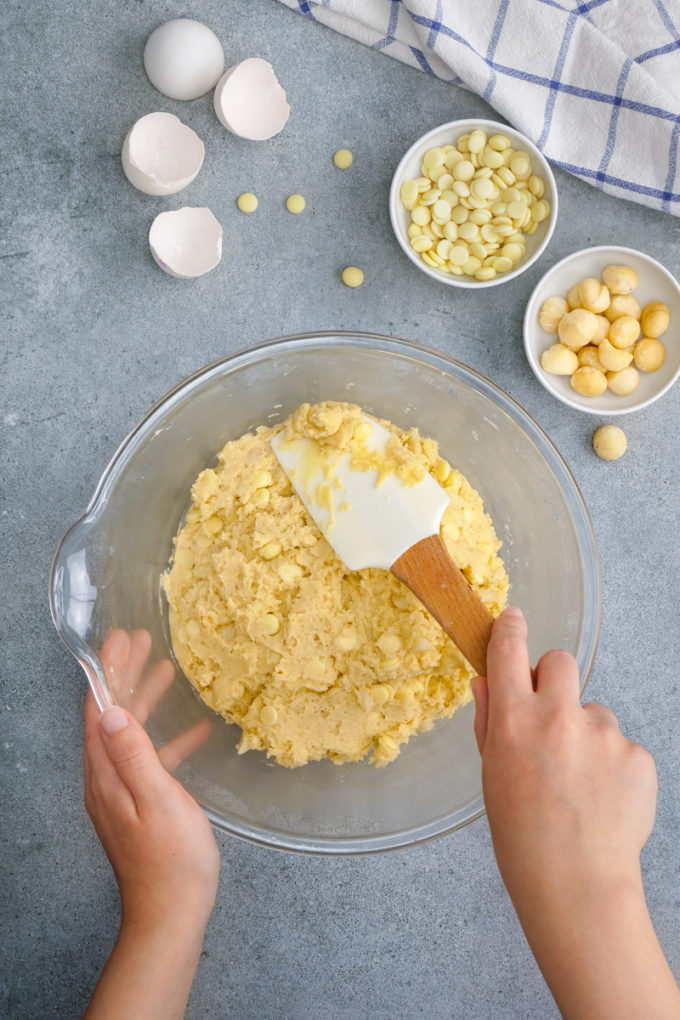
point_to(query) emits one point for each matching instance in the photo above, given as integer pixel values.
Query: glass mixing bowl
(107, 574)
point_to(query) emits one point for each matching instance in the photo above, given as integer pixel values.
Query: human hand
(569, 798)
(570, 803)
(158, 840)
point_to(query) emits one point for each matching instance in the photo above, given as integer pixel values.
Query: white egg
(186, 242)
(249, 100)
(183, 58)
(161, 155)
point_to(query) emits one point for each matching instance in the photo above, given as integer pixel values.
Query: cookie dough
(310, 659)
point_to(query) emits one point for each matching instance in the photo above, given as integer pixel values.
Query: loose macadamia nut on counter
(577, 328)
(559, 360)
(624, 382)
(552, 310)
(589, 382)
(655, 319)
(609, 442)
(649, 354)
(593, 295)
(624, 331)
(619, 279)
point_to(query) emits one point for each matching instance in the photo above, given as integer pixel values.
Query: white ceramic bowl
(447, 134)
(655, 283)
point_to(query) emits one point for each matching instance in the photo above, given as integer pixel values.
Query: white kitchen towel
(595, 84)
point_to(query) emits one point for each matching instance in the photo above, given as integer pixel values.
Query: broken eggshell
(161, 155)
(183, 58)
(186, 242)
(250, 102)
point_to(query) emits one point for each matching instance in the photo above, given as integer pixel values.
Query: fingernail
(515, 612)
(112, 720)
(474, 683)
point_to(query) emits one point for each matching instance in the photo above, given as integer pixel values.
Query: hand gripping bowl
(108, 567)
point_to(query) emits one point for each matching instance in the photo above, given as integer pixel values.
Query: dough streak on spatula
(393, 526)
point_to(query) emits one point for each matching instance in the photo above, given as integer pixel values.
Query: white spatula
(392, 526)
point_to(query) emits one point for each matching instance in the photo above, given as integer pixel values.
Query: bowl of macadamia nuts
(602, 330)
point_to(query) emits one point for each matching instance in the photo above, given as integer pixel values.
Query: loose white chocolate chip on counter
(352, 276)
(609, 442)
(295, 204)
(481, 194)
(343, 159)
(247, 202)
(607, 331)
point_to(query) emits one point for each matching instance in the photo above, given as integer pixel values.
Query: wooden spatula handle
(428, 570)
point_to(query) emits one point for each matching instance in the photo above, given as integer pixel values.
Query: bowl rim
(89, 661)
(528, 325)
(397, 179)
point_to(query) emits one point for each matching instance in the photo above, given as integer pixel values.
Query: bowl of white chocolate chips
(473, 203)
(334, 715)
(601, 330)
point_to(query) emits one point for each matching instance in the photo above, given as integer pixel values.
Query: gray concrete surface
(92, 333)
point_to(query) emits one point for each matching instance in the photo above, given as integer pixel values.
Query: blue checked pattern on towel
(595, 84)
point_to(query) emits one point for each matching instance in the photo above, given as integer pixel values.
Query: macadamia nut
(602, 328)
(589, 382)
(588, 356)
(577, 328)
(623, 304)
(552, 310)
(559, 360)
(609, 442)
(612, 358)
(620, 279)
(624, 331)
(593, 295)
(649, 354)
(574, 296)
(655, 319)
(624, 382)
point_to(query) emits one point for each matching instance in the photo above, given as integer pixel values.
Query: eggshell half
(250, 102)
(161, 155)
(183, 58)
(186, 242)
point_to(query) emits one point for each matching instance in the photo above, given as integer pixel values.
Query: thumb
(132, 755)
